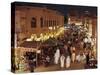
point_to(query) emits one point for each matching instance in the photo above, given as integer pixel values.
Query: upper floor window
(33, 22)
(41, 20)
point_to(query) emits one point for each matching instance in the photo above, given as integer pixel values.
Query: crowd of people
(73, 46)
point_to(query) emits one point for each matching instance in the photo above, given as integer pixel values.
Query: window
(41, 20)
(53, 22)
(46, 23)
(57, 22)
(49, 23)
(33, 22)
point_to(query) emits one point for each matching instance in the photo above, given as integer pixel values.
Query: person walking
(85, 40)
(57, 56)
(68, 62)
(62, 60)
(47, 61)
(87, 58)
(78, 58)
(73, 54)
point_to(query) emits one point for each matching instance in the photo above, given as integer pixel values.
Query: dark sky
(64, 9)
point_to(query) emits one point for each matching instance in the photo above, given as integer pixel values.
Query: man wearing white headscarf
(68, 61)
(57, 56)
(62, 59)
(73, 54)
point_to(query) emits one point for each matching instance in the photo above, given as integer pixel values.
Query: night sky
(64, 9)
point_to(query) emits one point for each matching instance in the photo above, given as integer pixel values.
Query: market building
(36, 20)
(33, 24)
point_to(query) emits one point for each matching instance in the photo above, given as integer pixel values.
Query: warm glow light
(38, 51)
(29, 39)
(50, 28)
(78, 23)
(44, 37)
(54, 28)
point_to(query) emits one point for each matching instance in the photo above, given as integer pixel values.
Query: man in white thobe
(78, 59)
(62, 59)
(68, 61)
(57, 56)
(73, 55)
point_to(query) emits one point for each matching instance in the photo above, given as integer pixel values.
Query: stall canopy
(30, 44)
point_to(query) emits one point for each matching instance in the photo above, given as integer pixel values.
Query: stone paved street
(74, 66)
